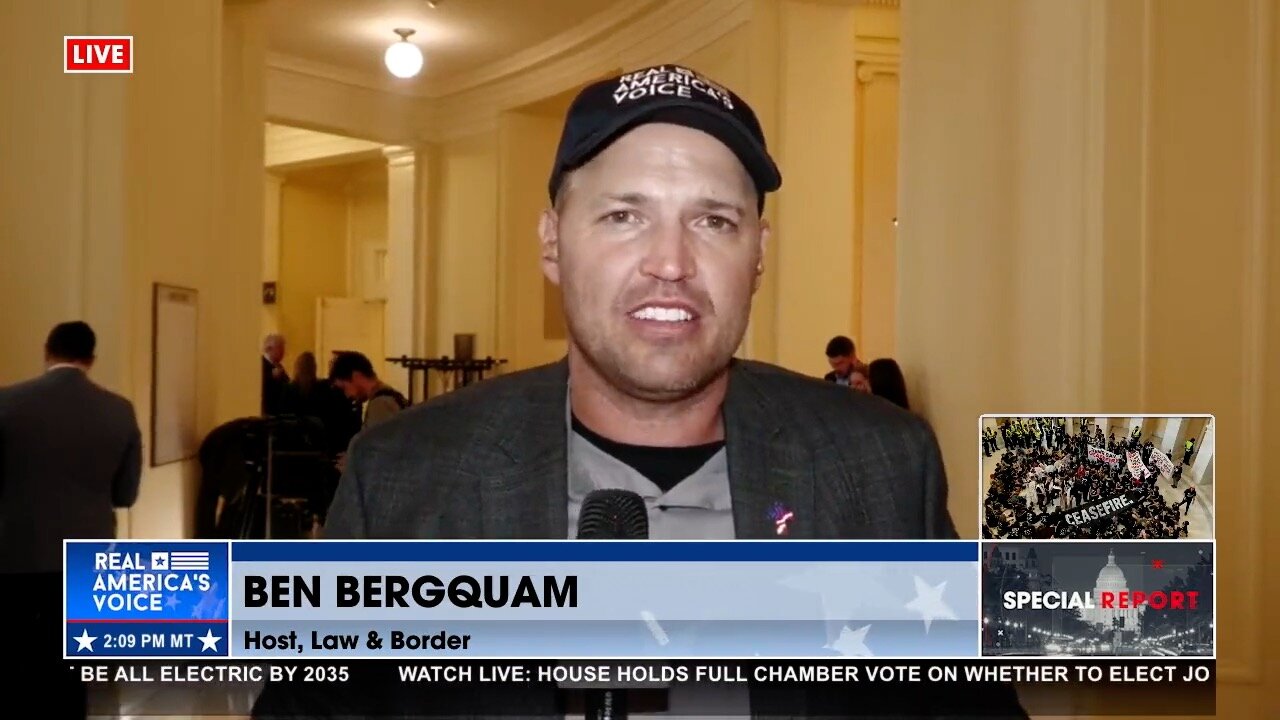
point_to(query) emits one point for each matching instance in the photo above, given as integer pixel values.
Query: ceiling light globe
(403, 59)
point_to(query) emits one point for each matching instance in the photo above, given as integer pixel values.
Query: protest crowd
(1049, 483)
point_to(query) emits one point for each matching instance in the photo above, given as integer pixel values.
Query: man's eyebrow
(630, 198)
(713, 205)
(706, 203)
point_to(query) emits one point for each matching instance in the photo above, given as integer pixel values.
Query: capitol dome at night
(1111, 579)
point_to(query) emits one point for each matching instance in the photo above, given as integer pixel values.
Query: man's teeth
(662, 314)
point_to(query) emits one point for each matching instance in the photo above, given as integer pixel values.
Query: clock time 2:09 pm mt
(112, 641)
(394, 640)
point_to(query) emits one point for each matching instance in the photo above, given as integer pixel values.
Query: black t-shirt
(663, 466)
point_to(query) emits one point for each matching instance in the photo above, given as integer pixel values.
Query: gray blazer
(70, 452)
(489, 461)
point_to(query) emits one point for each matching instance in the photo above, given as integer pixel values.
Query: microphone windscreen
(613, 515)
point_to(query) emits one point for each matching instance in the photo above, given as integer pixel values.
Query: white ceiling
(289, 148)
(345, 39)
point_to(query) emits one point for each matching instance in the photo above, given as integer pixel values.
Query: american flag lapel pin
(782, 517)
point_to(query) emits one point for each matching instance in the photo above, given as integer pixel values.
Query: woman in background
(886, 381)
(303, 396)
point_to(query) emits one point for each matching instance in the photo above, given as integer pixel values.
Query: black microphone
(611, 515)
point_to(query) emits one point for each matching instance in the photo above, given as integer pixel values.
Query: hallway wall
(1094, 230)
(119, 182)
(313, 260)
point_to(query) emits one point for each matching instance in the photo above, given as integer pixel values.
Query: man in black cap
(656, 236)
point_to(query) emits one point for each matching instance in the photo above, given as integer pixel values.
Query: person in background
(846, 368)
(886, 381)
(275, 381)
(340, 414)
(303, 396)
(70, 454)
(353, 374)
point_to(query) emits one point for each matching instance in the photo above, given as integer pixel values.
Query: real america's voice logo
(146, 599)
(125, 581)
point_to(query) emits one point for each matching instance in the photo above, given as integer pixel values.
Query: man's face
(657, 248)
(356, 389)
(275, 351)
(841, 364)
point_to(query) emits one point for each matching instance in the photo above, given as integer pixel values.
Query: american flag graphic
(189, 560)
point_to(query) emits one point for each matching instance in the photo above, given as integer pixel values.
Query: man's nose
(669, 255)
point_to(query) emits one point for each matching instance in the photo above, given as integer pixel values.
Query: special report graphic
(1122, 598)
(457, 600)
(146, 599)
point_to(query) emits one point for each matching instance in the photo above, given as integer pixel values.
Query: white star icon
(852, 643)
(928, 602)
(84, 640)
(209, 641)
(172, 601)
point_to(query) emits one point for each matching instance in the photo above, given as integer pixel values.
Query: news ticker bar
(601, 599)
(976, 687)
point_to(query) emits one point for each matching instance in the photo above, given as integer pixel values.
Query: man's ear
(765, 232)
(549, 240)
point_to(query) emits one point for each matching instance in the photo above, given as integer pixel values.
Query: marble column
(400, 336)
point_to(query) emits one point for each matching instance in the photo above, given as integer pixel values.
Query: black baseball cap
(606, 110)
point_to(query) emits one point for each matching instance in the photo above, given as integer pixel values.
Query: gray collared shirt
(697, 508)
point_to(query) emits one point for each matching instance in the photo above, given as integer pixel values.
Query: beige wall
(271, 196)
(875, 178)
(237, 252)
(466, 295)
(367, 233)
(815, 223)
(119, 182)
(1088, 223)
(60, 171)
(528, 305)
(326, 238)
(313, 259)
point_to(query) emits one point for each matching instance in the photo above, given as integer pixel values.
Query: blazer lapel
(770, 481)
(523, 476)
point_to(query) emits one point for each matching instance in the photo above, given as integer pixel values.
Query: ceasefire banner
(1136, 468)
(523, 599)
(1098, 454)
(1162, 462)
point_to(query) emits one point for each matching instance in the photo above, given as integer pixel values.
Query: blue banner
(558, 599)
(146, 599)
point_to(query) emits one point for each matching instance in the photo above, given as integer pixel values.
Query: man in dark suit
(656, 238)
(275, 380)
(70, 453)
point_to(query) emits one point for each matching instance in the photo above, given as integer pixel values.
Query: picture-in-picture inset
(1128, 478)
